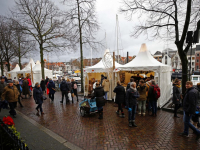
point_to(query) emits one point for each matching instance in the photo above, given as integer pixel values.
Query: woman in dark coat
(42, 85)
(37, 95)
(52, 90)
(176, 96)
(120, 98)
(18, 87)
(25, 88)
(99, 94)
(74, 89)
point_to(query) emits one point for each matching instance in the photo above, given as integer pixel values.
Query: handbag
(44, 97)
(70, 96)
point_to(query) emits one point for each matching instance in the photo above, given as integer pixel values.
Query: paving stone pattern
(113, 132)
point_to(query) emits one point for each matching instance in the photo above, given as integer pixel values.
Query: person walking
(176, 96)
(2, 85)
(29, 84)
(131, 102)
(11, 93)
(65, 90)
(38, 97)
(142, 89)
(19, 90)
(74, 88)
(152, 97)
(25, 88)
(120, 98)
(102, 78)
(69, 84)
(42, 85)
(99, 94)
(195, 118)
(106, 87)
(148, 84)
(189, 108)
(46, 81)
(128, 85)
(52, 90)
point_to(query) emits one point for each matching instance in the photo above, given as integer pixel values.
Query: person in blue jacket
(131, 102)
(38, 97)
(52, 90)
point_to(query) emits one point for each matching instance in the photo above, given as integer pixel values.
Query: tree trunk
(1, 67)
(42, 60)
(184, 62)
(19, 51)
(8, 65)
(81, 46)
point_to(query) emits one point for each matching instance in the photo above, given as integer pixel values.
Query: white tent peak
(16, 68)
(38, 62)
(143, 48)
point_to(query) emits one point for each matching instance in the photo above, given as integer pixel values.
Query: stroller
(88, 106)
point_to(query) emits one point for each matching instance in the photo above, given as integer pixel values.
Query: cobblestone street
(113, 132)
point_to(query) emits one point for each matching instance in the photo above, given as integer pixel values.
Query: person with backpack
(131, 102)
(153, 95)
(176, 96)
(74, 88)
(64, 88)
(142, 89)
(120, 98)
(52, 90)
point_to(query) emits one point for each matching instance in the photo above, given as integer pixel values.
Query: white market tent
(13, 73)
(37, 75)
(24, 71)
(144, 61)
(100, 68)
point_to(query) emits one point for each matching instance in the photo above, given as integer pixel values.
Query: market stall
(144, 63)
(94, 73)
(13, 73)
(25, 72)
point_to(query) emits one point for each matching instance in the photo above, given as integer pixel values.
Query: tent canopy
(28, 66)
(144, 61)
(100, 66)
(15, 69)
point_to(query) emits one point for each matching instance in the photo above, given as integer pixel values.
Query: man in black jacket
(64, 89)
(189, 108)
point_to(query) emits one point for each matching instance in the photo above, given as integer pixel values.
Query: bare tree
(159, 18)
(82, 22)
(23, 45)
(43, 21)
(6, 41)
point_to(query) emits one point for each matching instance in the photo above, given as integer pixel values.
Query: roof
(144, 61)
(158, 53)
(28, 66)
(15, 69)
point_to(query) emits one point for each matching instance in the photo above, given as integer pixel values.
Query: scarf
(134, 89)
(178, 86)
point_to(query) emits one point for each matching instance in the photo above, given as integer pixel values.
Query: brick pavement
(111, 133)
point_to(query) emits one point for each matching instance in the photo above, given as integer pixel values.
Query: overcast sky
(106, 13)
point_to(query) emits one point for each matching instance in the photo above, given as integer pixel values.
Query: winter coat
(102, 78)
(99, 94)
(37, 95)
(2, 86)
(74, 90)
(69, 84)
(42, 85)
(128, 86)
(190, 101)
(51, 87)
(151, 95)
(120, 94)
(10, 94)
(29, 82)
(18, 88)
(25, 87)
(46, 81)
(198, 96)
(64, 86)
(106, 85)
(176, 94)
(20, 81)
(131, 97)
(142, 91)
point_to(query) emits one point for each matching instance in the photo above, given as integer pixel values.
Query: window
(195, 78)
(198, 55)
(165, 57)
(197, 67)
(193, 58)
(160, 58)
(189, 58)
(192, 63)
(197, 60)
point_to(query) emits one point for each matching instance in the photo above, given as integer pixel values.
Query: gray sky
(106, 13)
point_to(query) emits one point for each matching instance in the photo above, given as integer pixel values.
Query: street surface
(113, 132)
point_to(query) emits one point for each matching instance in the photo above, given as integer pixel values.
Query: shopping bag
(70, 96)
(47, 91)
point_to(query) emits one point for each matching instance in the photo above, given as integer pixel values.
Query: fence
(8, 140)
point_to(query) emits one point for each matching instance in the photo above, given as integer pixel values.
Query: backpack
(156, 91)
(75, 86)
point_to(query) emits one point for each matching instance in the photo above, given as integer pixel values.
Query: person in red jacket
(29, 84)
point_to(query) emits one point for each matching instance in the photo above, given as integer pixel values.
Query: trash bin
(79, 88)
